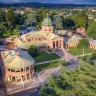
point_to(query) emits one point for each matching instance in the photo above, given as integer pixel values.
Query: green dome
(47, 22)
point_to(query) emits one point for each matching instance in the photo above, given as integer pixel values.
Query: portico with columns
(57, 43)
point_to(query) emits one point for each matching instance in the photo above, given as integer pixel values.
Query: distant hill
(46, 5)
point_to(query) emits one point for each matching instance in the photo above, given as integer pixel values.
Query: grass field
(43, 56)
(78, 51)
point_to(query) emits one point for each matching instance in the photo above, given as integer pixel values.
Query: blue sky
(52, 1)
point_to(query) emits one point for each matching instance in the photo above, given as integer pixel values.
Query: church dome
(47, 22)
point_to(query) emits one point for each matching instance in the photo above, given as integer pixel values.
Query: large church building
(43, 39)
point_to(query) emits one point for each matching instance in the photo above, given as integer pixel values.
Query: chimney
(17, 53)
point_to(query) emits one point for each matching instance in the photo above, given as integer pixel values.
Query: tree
(3, 26)
(31, 20)
(10, 17)
(83, 43)
(2, 15)
(15, 31)
(93, 56)
(40, 15)
(68, 24)
(91, 31)
(58, 22)
(33, 51)
(19, 19)
(77, 82)
(7, 33)
(81, 19)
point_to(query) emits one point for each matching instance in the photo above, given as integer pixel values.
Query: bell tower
(47, 26)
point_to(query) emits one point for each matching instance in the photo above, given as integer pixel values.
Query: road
(30, 92)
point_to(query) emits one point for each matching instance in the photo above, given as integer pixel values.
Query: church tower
(47, 26)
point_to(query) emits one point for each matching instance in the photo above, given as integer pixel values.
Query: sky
(52, 1)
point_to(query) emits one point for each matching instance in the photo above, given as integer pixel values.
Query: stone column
(55, 44)
(30, 72)
(59, 44)
(10, 78)
(25, 75)
(16, 79)
(51, 44)
(62, 45)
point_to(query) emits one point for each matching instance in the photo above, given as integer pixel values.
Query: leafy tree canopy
(75, 82)
(83, 43)
(91, 31)
(81, 19)
(10, 17)
(33, 51)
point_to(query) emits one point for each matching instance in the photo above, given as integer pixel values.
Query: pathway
(69, 58)
(84, 55)
(45, 62)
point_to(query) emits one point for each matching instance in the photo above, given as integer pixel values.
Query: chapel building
(44, 39)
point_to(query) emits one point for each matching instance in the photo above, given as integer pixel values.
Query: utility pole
(83, 51)
(66, 53)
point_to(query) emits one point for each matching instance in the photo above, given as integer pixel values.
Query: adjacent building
(43, 39)
(73, 41)
(81, 31)
(92, 44)
(19, 66)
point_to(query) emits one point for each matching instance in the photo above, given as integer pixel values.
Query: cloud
(50, 1)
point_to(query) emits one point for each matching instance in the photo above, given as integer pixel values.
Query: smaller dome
(47, 22)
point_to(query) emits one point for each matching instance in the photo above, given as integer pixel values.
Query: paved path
(45, 62)
(84, 55)
(73, 60)
(69, 58)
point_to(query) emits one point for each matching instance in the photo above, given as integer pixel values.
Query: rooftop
(47, 22)
(73, 39)
(92, 42)
(17, 59)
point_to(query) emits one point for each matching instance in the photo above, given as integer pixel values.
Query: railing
(18, 73)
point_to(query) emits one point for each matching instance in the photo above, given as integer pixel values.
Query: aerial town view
(47, 48)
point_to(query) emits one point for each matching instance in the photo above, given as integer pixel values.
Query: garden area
(50, 65)
(41, 56)
(44, 56)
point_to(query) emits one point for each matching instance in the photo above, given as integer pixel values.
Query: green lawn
(50, 65)
(78, 51)
(43, 56)
(89, 57)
